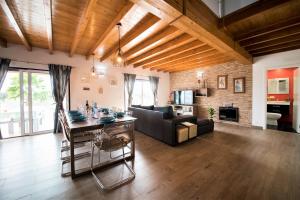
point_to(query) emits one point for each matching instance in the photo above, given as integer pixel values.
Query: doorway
(26, 104)
(282, 99)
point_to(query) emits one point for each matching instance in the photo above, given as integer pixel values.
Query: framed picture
(222, 82)
(239, 85)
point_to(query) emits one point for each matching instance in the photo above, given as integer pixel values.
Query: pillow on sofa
(167, 110)
(148, 107)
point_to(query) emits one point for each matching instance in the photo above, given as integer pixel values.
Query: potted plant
(211, 113)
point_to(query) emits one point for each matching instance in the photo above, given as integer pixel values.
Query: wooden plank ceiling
(162, 35)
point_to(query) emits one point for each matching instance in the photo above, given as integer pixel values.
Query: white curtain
(4, 64)
(129, 80)
(154, 86)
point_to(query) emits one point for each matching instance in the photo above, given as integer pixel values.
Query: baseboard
(257, 127)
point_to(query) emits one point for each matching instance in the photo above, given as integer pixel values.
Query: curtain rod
(29, 62)
(141, 75)
(23, 68)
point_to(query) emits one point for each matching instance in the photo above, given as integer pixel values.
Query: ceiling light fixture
(119, 60)
(93, 67)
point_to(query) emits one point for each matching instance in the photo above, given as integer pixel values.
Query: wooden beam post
(172, 53)
(14, 23)
(48, 21)
(146, 22)
(204, 64)
(150, 40)
(250, 10)
(3, 43)
(199, 22)
(127, 7)
(185, 54)
(84, 19)
(183, 38)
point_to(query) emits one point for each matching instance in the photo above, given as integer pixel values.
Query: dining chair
(113, 137)
(80, 140)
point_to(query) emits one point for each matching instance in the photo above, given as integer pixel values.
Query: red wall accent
(284, 73)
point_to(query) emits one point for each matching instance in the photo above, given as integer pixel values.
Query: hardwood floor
(232, 163)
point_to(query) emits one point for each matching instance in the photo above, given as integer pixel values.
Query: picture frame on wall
(222, 82)
(239, 85)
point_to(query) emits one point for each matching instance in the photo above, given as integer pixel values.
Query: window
(142, 93)
(26, 103)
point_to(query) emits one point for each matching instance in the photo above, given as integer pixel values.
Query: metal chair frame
(78, 144)
(115, 135)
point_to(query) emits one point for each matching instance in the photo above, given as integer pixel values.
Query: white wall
(213, 6)
(296, 113)
(229, 5)
(112, 95)
(233, 5)
(260, 67)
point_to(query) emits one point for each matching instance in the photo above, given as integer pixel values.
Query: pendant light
(93, 67)
(119, 60)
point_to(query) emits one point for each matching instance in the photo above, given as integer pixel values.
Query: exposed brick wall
(188, 80)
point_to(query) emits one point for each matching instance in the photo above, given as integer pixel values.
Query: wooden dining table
(92, 124)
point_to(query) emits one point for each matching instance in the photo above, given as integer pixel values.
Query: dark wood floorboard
(231, 163)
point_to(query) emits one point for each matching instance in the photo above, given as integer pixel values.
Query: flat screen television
(184, 97)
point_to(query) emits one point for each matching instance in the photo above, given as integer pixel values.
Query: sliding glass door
(26, 104)
(10, 101)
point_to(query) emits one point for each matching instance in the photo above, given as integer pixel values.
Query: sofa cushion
(166, 110)
(136, 106)
(147, 107)
(203, 122)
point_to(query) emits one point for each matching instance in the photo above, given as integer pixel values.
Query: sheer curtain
(60, 77)
(4, 64)
(154, 86)
(129, 80)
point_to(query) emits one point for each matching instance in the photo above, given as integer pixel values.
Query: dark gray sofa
(154, 123)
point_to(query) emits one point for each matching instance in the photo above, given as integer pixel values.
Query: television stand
(184, 109)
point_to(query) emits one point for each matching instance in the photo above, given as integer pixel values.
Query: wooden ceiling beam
(195, 18)
(150, 40)
(48, 22)
(291, 38)
(186, 54)
(126, 8)
(183, 38)
(272, 36)
(276, 51)
(183, 48)
(251, 10)
(146, 22)
(204, 64)
(3, 43)
(287, 23)
(83, 22)
(188, 61)
(277, 47)
(15, 25)
(199, 62)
